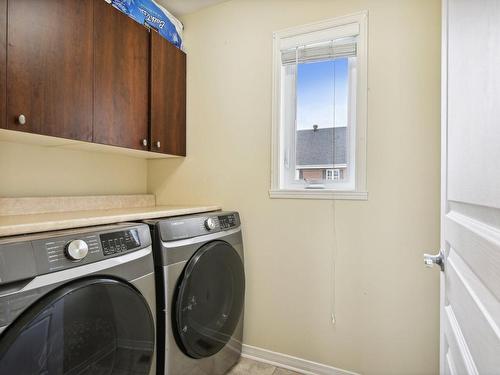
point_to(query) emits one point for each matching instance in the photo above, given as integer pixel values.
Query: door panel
(475, 310)
(168, 97)
(477, 244)
(3, 62)
(49, 67)
(473, 93)
(458, 351)
(121, 99)
(470, 298)
(450, 369)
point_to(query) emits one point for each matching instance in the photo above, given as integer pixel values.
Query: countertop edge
(79, 222)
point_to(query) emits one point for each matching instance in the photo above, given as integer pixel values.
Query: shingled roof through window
(317, 146)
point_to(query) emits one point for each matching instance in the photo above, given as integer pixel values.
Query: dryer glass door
(209, 299)
(93, 326)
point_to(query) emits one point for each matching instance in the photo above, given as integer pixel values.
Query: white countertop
(31, 223)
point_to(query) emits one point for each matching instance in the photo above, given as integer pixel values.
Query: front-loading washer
(78, 301)
(200, 289)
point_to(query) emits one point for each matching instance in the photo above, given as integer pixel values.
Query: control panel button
(210, 223)
(77, 250)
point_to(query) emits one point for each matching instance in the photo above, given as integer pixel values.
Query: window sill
(319, 194)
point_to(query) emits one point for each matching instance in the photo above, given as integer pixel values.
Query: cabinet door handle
(144, 142)
(21, 119)
(158, 144)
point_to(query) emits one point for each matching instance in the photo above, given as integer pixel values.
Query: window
(319, 110)
(334, 175)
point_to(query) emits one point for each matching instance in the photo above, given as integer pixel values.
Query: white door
(470, 226)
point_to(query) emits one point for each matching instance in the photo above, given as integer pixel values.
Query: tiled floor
(249, 367)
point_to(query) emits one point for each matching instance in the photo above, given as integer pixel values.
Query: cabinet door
(121, 98)
(168, 97)
(49, 67)
(3, 61)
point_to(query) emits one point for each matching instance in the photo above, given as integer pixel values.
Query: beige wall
(30, 170)
(386, 302)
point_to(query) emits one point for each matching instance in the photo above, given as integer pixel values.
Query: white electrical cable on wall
(333, 280)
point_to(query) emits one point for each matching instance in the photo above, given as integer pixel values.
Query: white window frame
(347, 26)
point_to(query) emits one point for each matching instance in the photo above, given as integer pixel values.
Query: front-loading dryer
(78, 301)
(200, 289)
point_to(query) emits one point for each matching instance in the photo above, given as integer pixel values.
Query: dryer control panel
(182, 227)
(228, 221)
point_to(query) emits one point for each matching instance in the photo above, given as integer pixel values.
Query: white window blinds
(345, 47)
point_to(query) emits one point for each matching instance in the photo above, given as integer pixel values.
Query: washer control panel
(61, 250)
(72, 248)
(118, 242)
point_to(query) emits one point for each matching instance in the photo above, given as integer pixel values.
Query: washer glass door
(209, 299)
(93, 326)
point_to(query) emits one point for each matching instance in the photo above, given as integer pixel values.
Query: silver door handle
(431, 260)
(144, 142)
(158, 144)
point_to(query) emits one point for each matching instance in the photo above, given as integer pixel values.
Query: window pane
(321, 148)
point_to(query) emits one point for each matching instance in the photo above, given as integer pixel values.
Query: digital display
(226, 222)
(117, 242)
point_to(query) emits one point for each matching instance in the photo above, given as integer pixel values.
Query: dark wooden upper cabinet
(168, 97)
(121, 96)
(81, 69)
(3, 62)
(49, 67)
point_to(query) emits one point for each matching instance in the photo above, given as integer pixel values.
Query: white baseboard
(288, 362)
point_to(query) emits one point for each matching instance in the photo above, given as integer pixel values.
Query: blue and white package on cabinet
(147, 12)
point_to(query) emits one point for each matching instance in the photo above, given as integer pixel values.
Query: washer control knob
(210, 223)
(77, 250)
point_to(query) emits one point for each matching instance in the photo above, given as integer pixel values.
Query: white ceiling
(181, 7)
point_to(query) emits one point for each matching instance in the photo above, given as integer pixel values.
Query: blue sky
(316, 102)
